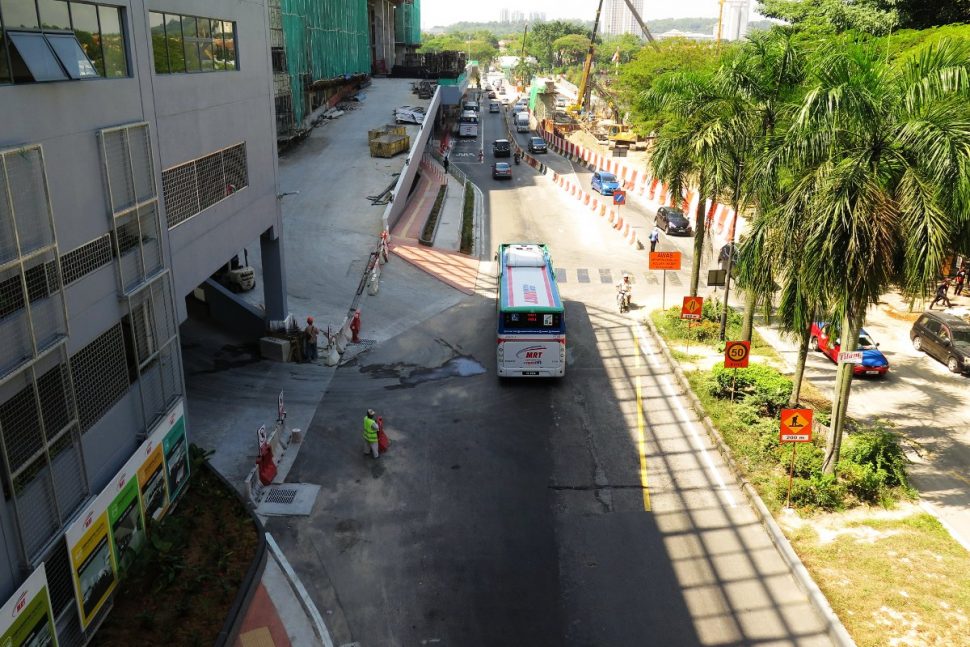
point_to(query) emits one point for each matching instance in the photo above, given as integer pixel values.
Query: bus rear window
(532, 320)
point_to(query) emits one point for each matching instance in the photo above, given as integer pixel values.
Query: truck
(522, 122)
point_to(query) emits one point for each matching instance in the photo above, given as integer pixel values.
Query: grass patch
(706, 332)
(468, 220)
(894, 607)
(427, 234)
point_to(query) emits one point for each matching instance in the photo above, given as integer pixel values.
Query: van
(470, 105)
(493, 106)
(945, 337)
(522, 122)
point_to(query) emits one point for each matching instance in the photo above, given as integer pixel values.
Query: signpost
(796, 427)
(619, 199)
(691, 311)
(736, 355)
(664, 261)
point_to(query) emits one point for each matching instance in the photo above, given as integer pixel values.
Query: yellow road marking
(641, 433)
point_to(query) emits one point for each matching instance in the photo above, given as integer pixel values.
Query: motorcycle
(624, 298)
(517, 158)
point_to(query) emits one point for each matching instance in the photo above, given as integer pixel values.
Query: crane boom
(643, 25)
(582, 96)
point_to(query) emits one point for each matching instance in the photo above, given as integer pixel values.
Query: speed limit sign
(736, 354)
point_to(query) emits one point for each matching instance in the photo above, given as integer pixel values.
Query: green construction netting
(324, 39)
(407, 23)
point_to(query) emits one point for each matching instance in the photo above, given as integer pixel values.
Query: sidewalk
(330, 229)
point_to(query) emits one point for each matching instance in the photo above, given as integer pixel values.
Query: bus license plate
(530, 372)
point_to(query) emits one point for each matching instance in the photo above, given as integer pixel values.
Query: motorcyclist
(624, 293)
(517, 156)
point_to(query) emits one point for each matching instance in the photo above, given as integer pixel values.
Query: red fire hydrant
(355, 327)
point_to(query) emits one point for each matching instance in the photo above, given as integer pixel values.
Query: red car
(873, 361)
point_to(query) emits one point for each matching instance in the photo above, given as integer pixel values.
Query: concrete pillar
(274, 275)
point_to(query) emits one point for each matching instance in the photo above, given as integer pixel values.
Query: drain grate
(281, 495)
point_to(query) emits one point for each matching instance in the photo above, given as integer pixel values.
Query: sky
(436, 13)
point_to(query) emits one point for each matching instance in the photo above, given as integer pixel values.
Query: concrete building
(734, 25)
(137, 157)
(617, 19)
(503, 15)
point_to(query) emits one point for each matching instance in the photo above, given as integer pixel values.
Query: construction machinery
(582, 96)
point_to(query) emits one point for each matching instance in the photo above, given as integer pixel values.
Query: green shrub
(879, 449)
(822, 491)
(427, 233)
(468, 221)
(761, 387)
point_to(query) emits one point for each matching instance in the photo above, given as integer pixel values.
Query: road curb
(835, 629)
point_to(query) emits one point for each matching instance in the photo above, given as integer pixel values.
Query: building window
(192, 43)
(57, 40)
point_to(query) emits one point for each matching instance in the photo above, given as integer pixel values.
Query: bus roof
(527, 283)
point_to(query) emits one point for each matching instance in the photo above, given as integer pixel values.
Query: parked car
(501, 148)
(493, 106)
(537, 145)
(604, 183)
(873, 361)
(520, 106)
(945, 337)
(673, 221)
(491, 94)
(500, 170)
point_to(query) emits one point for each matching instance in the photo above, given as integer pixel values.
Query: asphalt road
(584, 511)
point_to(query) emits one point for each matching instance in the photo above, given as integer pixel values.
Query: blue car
(604, 183)
(873, 361)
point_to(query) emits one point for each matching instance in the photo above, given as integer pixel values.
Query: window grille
(40, 450)
(192, 187)
(129, 175)
(100, 376)
(86, 258)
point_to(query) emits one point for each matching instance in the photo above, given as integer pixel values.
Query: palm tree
(880, 154)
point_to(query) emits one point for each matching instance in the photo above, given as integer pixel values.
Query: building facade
(137, 157)
(617, 18)
(734, 22)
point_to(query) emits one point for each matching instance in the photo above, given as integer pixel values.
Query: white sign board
(850, 357)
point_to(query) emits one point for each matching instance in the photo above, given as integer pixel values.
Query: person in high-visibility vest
(370, 434)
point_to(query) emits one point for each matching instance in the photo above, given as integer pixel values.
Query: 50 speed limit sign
(736, 354)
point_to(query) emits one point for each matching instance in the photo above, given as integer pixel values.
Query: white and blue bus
(468, 124)
(531, 316)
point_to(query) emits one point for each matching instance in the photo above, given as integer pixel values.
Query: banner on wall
(27, 619)
(105, 539)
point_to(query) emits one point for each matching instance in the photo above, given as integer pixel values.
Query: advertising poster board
(151, 482)
(27, 619)
(127, 525)
(92, 565)
(176, 454)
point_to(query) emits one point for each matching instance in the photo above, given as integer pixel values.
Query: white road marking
(672, 396)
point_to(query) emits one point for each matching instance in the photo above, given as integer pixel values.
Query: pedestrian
(958, 282)
(445, 162)
(941, 295)
(481, 156)
(370, 434)
(654, 237)
(310, 335)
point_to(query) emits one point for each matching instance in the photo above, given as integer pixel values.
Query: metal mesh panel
(86, 258)
(180, 188)
(14, 325)
(118, 169)
(56, 407)
(129, 250)
(35, 501)
(143, 331)
(8, 241)
(236, 169)
(140, 148)
(164, 317)
(20, 423)
(46, 308)
(100, 376)
(150, 237)
(70, 487)
(25, 175)
(160, 384)
(60, 586)
(212, 187)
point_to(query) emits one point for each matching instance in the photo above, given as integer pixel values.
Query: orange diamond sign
(796, 426)
(692, 308)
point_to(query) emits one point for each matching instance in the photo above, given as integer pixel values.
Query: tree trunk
(840, 399)
(750, 306)
(700, 215)
(796, 392)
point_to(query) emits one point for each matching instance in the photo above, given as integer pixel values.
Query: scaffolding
(407, 23)
(314, 41)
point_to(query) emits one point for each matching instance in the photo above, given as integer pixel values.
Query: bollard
(374, 282)
(331, 357)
